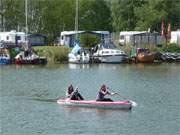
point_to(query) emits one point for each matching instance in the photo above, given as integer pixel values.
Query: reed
(54, 54)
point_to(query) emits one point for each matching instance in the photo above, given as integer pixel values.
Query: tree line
(50, 17)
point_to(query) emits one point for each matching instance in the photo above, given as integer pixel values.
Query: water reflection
(99, 111)
(79, 66)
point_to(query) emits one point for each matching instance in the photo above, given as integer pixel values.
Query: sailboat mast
(26, 28)
(76, 20)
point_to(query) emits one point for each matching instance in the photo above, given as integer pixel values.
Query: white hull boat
(108, 53)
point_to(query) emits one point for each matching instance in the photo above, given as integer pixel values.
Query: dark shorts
(105, 99)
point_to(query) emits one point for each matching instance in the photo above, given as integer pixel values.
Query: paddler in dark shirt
(73, 94)
(102, 93)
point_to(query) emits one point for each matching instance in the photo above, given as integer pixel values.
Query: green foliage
(149, 16)
(122, 12)
(171, 48)
(144, 14)
(54, 54)
(50, 17)
(94, 15)
(89, 40)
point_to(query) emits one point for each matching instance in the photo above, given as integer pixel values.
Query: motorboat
(124, 104)
(108, 53)
(29, 57)
(78, 55)
(144, 56)
(4, 57)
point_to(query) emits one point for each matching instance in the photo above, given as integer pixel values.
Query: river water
(28, 99)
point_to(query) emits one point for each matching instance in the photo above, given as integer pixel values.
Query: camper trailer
(136, 38)
(12, 37)
(175, 37)
(126, 37)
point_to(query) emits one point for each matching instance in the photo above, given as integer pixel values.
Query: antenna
(26, 29)
(76, 20)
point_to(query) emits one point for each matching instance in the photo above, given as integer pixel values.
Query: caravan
(126, 37)
(137, 38)
(175, 37)
(12, 37)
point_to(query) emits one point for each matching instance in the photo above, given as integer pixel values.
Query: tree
(89, 40)
(57, 16)
(149, 15)
(94, 15)
(122, 12)
(13, 14)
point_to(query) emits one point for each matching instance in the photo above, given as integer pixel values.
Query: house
(136, 38)
(37, 39)
(67, 38)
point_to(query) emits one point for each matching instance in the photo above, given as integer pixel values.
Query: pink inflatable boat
(96, 104)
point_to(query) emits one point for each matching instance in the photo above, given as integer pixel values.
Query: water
(28, 99)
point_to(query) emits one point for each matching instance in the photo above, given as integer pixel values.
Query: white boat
(78, 55)
(108, 53)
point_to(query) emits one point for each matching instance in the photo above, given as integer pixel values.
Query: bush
(171, 48)
(89, 40)
(54, 54)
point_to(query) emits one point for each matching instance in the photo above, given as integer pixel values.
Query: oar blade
(134, 104)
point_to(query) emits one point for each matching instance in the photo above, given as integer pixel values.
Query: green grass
(54, 54)
(174, 48)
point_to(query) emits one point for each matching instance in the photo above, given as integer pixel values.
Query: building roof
(131, 32)
(79, 32)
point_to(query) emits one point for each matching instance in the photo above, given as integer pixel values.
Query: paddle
(115, 93)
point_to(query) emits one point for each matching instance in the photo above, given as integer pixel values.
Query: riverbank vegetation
(59, 54)
(173, 48)
(54, 54)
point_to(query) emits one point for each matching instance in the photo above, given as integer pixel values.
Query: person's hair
(103, 87)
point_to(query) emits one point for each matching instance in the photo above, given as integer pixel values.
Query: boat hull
(4, 61)
(78, 59)
(145, 58)
(111, 58)
(96, 104)
(31, 61)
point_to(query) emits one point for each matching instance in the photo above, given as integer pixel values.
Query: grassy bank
(59, 54)
(173, 48)
(54, 54)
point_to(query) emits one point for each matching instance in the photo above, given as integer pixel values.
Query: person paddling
(102, 93)
(73, 94)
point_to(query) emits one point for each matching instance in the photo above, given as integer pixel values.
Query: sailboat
(28, 56)
(78, 55)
